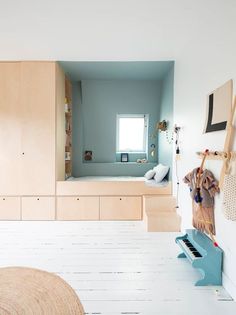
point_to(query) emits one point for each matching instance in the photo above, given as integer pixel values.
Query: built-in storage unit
(36, 154)
(32, 138)
(78, 208)
(27, 138)
(121, 208)
(104, 200)
(10, 208)
(38, 208)
(99, 208)
(37, 102)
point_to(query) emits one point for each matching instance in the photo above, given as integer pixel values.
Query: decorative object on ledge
(162, 125)
(202, 254)
(142, 161)
(124, 157)
(88, 155)
(219, 104)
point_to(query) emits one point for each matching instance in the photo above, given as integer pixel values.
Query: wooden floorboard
(116, 268)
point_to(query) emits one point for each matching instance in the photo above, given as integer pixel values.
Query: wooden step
(159, 214)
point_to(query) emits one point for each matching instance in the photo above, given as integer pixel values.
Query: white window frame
(145, 131)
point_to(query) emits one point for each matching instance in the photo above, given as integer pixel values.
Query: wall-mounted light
(176, 131)
(153, 149)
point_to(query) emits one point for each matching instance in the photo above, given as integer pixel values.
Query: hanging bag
(229, 198)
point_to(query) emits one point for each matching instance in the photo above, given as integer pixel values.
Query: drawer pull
(37, 198)
(3, 199)
(120, 198)
(77, 199)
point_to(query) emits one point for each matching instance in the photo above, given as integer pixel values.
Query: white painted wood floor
(115, 267)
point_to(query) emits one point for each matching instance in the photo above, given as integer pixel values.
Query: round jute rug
(27, 291)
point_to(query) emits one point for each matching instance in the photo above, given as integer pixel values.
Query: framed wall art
(124, 157)
(219, 106)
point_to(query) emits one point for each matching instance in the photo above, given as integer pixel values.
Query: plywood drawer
(121, 208)
(10, 208)
(38, 208)
(78, 208)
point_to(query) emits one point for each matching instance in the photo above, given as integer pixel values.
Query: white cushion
(161, 171)
(150, 174)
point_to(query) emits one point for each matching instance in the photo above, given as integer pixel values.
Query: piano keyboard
(190, 249)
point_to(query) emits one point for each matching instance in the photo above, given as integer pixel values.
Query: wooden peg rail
(216, 155)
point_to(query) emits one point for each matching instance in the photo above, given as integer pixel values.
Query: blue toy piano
(203, 255)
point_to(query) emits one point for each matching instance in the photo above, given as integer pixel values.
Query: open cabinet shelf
(68, 128)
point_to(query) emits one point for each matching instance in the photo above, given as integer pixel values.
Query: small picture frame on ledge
(124, 157)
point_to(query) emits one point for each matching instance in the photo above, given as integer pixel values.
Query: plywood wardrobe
(32, 98)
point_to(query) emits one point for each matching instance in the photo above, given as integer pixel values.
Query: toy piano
(203, 255)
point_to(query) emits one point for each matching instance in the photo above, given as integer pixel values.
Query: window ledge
(123, 163)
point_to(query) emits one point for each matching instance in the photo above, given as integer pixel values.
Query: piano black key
(192, 249)
(196, 254)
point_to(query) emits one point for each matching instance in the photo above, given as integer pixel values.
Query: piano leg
(182, 255)
(209, 279)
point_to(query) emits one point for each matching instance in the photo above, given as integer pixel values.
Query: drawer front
(120, 208)
(38, 208)
(78, 208)
(10, 208)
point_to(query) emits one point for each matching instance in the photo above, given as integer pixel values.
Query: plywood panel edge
(60, 123)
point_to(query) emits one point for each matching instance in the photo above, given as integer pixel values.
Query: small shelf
(68, 128)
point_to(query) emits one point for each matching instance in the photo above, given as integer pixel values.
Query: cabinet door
(10, 128)
(38, 208)
(120, 208)
(38, 128)
(10, 208)
(78, 208)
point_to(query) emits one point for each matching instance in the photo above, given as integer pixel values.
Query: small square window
(132, 133)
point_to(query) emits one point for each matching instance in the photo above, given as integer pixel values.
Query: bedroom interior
(105, 215)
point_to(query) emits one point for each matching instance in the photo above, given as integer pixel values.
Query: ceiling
(149, 70)
(112, 30)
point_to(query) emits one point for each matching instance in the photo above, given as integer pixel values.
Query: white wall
(198, 35)
(194, 80)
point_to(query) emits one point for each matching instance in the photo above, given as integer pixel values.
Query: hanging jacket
(208, 186)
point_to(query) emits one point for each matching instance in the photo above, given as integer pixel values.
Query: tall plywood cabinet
(10, 130)
(38, 101)
(32, 96)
